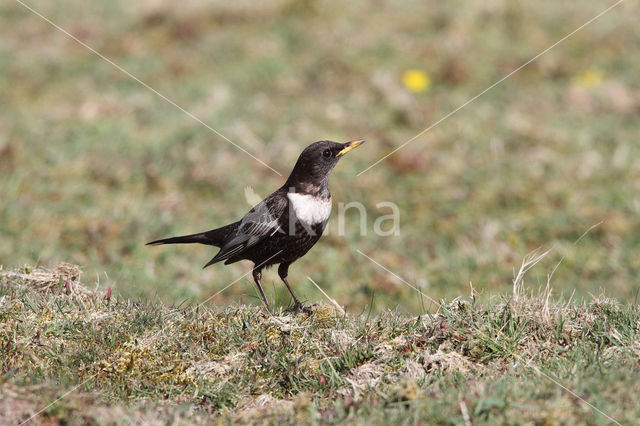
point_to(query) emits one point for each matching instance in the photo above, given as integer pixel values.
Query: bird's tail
(215, 237)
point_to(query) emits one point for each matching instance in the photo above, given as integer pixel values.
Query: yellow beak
(349, 146)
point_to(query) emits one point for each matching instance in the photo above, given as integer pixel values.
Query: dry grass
(244, 365)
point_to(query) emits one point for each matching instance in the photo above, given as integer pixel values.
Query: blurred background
(93, 164)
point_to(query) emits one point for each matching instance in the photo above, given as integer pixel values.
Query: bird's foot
(299, 307)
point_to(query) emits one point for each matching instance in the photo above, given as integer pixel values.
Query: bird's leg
(283, 271)
(257, 277)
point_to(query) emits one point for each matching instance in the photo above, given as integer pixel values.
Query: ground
(93, 164)
(518, 359)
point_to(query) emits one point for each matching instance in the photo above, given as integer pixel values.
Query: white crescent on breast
(309, 209)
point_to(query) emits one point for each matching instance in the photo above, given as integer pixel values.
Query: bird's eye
(326, 153)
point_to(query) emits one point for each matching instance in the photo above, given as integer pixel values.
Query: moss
(240, 364)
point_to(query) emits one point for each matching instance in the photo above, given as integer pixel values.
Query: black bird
(285, 225)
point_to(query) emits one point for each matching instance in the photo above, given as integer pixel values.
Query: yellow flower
(590, 78)
(416, 80)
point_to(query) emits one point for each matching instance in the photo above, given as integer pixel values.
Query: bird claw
(299, 307)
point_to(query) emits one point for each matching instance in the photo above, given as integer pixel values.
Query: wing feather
(260, 222)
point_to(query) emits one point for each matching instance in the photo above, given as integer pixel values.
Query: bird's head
(316, 162)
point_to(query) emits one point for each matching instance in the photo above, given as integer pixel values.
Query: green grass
(496, 360)
(93, 165)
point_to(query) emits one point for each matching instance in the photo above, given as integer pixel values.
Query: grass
(93, 165)
(486, 362)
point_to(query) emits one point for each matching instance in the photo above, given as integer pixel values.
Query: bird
(285, 225)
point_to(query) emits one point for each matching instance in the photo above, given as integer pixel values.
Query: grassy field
(468, 363)
(93, 165)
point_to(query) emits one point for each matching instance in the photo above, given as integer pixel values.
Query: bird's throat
(310, 209)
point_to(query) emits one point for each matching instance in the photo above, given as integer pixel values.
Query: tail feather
(215, 237)
(185, 239)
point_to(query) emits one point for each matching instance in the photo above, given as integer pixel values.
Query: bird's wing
(261, 222)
